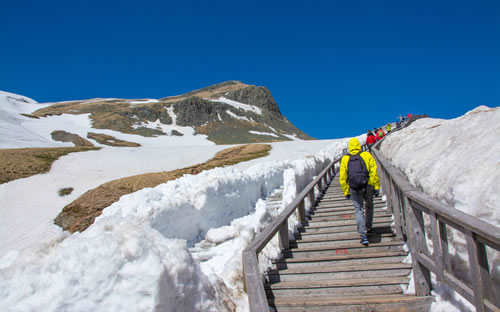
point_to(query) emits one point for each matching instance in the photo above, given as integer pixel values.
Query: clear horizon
(335, 68)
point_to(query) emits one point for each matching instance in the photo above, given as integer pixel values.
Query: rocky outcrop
(257, 96)
(63, 136)
(110, 140)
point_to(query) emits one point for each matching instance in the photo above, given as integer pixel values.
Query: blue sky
(336, 68)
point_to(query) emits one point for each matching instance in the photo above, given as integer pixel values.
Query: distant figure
(359, 182)
(370, 139)
(388, 127)
(380, 134)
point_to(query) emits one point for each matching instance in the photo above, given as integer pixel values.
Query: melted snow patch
(145, 101)
(230, 113)
(293, 137)
(247, 107)
(263, 133)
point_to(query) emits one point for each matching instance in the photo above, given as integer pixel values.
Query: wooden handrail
(253, 278)
(409, 205)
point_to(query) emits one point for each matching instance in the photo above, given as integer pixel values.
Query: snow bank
(456, 161)
(135, 256)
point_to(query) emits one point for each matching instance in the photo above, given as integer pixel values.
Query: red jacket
(380, 134)
(370, 139)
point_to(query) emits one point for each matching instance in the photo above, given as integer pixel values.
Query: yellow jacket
(354, 148)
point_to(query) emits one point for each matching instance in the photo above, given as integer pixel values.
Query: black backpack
(357, 174)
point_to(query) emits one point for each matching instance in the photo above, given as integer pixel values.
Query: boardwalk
(327, 269)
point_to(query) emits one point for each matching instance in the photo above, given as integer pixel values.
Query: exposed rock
(176, 133)
(63, 136)
(195, 111)
(254, 95)
(111, 141)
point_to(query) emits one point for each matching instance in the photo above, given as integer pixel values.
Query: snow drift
(135, 256)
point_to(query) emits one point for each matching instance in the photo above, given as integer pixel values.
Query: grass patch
(24, 162)
(65, 191)
(81, 213)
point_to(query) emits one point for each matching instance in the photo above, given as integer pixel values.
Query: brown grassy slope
(81, 213)
(24, 162)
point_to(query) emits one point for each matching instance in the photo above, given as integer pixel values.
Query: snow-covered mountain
(135, 257)
(13, 115)
(226, 113)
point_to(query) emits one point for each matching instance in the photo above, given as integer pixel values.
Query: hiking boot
(364, 240)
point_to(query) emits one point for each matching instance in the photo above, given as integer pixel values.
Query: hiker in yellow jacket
(359, 182)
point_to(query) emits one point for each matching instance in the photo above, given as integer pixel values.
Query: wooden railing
(409, 205)
(253, 278)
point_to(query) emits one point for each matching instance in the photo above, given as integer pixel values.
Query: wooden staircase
(327, 268)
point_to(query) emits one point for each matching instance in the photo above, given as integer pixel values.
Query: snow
(455, 161)
(177, 247)
(13, 132)
(263, 133)
(230, 113)
(239, 105)
(145, 101)
(292, 137)
(147, 234)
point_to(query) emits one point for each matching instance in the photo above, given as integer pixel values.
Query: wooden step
(345, 204)
(342, 268)
(339, 236)
(378, 228)
(331, 244)
(337, 257)
(315, 225)
(342, 215)
(351, 282)
(355, 303)
(304, 255)
(335, 291)
(331, 204)
(381, 227)
(333, 221)
(344, 246)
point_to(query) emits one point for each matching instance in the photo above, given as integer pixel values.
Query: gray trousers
(363, 208)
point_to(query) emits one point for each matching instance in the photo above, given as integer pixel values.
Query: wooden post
(480, 274)
(437, 250)
(253, 283)
(283, 235)
(396, 207)
(302, 212)
(311, 198)
(445, 254)
(416, 235)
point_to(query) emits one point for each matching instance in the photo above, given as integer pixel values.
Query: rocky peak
(255, 95)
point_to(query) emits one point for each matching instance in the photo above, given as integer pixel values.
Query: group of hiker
(377, 134)
(359, 180)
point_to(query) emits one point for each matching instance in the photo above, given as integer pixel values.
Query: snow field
(135, 257)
